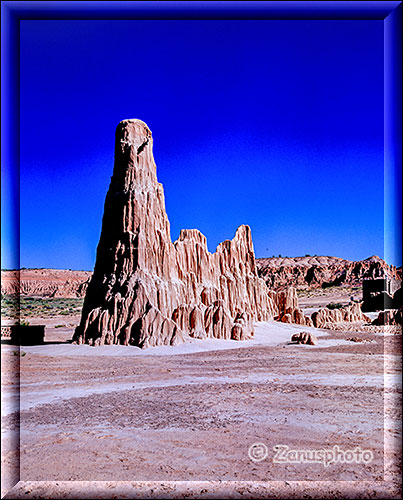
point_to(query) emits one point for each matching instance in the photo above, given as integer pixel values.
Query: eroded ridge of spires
(148, 291)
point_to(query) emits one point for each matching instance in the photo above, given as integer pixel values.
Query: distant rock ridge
(57, 283)
(148, 291)
(280, 273)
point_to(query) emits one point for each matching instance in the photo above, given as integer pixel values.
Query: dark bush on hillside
(333, 305)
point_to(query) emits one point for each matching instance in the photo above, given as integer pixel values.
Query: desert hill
(322, 271)
(45, 282)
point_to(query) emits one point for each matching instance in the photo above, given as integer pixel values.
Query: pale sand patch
(372, 315)
(309, 310)
(268, 333)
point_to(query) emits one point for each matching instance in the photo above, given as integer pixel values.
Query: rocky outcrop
(148, 291)
(325, 318)
(286, 307)
(389, 317)
(45, 283)
(304, 338)
(280, 273)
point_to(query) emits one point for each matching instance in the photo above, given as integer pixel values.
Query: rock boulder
(304, 338)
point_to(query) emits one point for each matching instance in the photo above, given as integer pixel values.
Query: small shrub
(333, 305)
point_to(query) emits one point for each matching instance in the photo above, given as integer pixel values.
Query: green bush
(333, 305)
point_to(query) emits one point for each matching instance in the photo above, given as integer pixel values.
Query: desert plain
(173, 414)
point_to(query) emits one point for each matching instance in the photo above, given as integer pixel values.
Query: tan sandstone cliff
(148, 291)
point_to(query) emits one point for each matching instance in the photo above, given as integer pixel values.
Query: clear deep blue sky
(274, 124)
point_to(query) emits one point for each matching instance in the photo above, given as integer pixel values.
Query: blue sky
(275, 124)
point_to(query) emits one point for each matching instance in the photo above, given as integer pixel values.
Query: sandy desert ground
(171, 415)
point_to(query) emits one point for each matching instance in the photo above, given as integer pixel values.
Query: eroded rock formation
(286, 307)
(324, 318)
(322, 271)
(389, 317)
(148, 291)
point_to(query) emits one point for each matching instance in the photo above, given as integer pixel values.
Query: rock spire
(146, 290)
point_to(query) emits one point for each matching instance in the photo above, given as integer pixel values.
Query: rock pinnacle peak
(146, 290)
